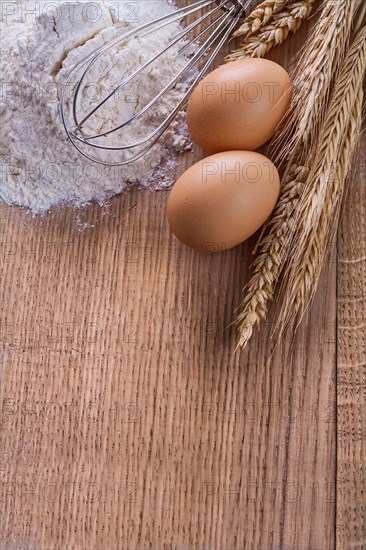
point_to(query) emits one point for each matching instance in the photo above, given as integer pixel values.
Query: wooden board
(351, 371)
(127, 420)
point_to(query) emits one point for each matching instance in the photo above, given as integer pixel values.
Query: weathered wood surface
(351, 369)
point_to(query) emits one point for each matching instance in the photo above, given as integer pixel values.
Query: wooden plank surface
(351, 370)
(127, 420)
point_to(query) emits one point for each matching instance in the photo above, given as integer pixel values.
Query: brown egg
(222, 200)
(239, 105)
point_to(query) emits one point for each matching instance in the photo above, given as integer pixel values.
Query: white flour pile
(40, 41)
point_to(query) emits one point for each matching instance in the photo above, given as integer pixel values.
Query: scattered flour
(40, 42)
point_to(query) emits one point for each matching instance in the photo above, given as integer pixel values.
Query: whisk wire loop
(217, 23)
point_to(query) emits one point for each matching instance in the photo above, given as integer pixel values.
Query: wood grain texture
(351, 369)
(127, 420)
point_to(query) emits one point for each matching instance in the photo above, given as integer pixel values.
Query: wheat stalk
(318, 210)
(278, 232)
(270, 27)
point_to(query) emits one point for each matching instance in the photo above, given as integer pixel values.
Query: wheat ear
(265, 32)
(318, 211)
(260, 16)
(320, 60)
(273, 250)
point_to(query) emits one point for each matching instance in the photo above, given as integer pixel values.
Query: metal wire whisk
(213, 23)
